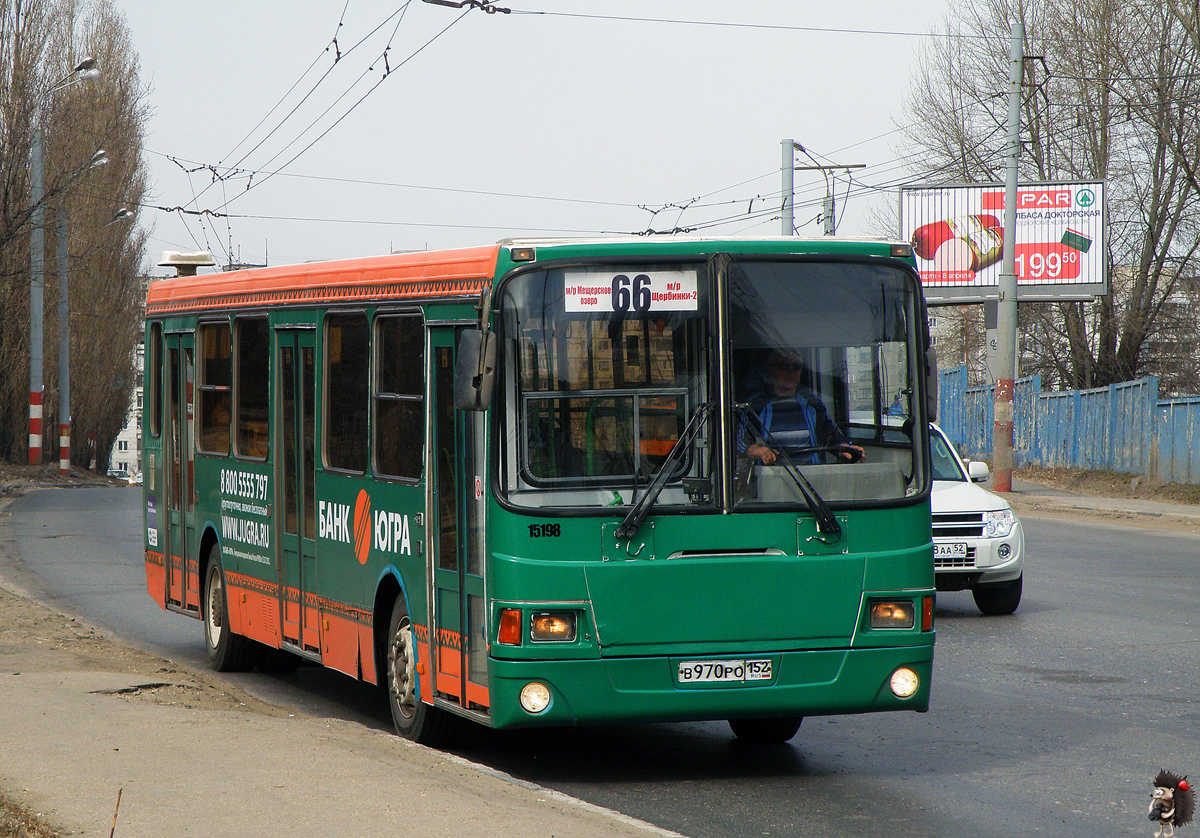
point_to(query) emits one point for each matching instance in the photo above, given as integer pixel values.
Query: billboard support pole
(1006, 310)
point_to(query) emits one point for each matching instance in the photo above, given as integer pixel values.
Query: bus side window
(399, 395)
(347, 391)
(216, 376)
(153, 366)
(253, 385)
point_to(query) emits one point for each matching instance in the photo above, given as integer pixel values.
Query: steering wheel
(852, 453)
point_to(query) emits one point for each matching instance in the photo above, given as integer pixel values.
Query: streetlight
(85, 69)
(64, 329)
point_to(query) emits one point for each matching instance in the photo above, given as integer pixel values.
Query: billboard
(958, 237)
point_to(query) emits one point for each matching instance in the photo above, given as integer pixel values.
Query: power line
(403, 9)
(740, 25)
(338, 56)
(332, 43)
(388, 70)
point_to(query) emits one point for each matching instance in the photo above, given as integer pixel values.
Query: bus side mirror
(931, 383)
(474, 370)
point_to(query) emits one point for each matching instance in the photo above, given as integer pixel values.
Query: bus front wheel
(413, 718)
(227, 652)
(766, 731)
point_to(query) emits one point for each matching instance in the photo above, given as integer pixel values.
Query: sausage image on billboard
(960, 244)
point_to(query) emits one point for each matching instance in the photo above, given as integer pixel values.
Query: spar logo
(1034, 199)
(364, 527)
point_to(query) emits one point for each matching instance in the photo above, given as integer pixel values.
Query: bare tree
(50, 37)
(25, 32)
(960, 339)
(1108, 88)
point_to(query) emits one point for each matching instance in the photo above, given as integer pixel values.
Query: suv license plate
(957, 550)
(701, 672)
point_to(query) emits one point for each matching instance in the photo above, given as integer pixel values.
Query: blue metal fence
(1177, 424)
(1123, 427)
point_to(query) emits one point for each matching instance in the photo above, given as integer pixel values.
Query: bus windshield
(807, 362)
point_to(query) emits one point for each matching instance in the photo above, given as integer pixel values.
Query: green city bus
(513, 484)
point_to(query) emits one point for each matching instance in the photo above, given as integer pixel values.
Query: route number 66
(635, 294)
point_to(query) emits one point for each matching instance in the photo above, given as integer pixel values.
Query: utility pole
(1006, 308)
(37, 257)
(85, 69)
(827, 204)
(789, 187)
(788, 167)
(64, 349)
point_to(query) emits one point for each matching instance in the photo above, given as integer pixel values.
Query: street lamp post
(85, 69)
(64, 330)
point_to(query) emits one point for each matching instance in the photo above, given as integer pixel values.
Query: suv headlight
(999, 523)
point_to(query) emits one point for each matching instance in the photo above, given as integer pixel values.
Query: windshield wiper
(827, 524)
(633, 521)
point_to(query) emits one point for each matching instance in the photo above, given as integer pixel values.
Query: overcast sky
(565, 117)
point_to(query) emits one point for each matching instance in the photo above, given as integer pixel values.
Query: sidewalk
(83, 717)
(1030, 497)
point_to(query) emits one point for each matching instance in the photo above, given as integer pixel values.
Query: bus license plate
(957, 550)
(702, 672)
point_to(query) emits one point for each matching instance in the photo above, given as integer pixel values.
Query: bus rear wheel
(766, 731)
(412, 718)
(227, 652)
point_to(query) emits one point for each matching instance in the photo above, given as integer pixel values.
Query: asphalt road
(1052, 721)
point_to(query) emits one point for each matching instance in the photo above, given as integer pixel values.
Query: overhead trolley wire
(388, 70)
(235, 168)
(778, 27)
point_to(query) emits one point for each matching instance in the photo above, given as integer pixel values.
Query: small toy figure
(1172, 803)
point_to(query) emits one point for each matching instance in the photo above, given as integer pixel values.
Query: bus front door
(182, 567)
(295, 474)
(456, 458)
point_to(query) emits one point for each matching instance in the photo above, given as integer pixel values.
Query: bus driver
(793, 415)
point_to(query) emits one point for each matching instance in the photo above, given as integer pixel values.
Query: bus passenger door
(182, 568)
(456, 477)
(295, 475)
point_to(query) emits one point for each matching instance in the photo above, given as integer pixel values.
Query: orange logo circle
(362, 526)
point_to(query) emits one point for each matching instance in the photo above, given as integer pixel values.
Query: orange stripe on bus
(423, 667)
(339, 643)
(477, 695)
(343, 634)
(156, 580)
(449, 273)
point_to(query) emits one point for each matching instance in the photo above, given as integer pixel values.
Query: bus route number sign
(707, 672)
(633, 292)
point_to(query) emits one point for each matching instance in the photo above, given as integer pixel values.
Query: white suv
(978, 543)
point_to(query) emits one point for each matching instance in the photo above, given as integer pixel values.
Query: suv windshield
(945, 461)
(604, 365)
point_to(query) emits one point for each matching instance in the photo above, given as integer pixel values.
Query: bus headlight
(893, 614)
(905, 683)
(552, 625)
(535, 697)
